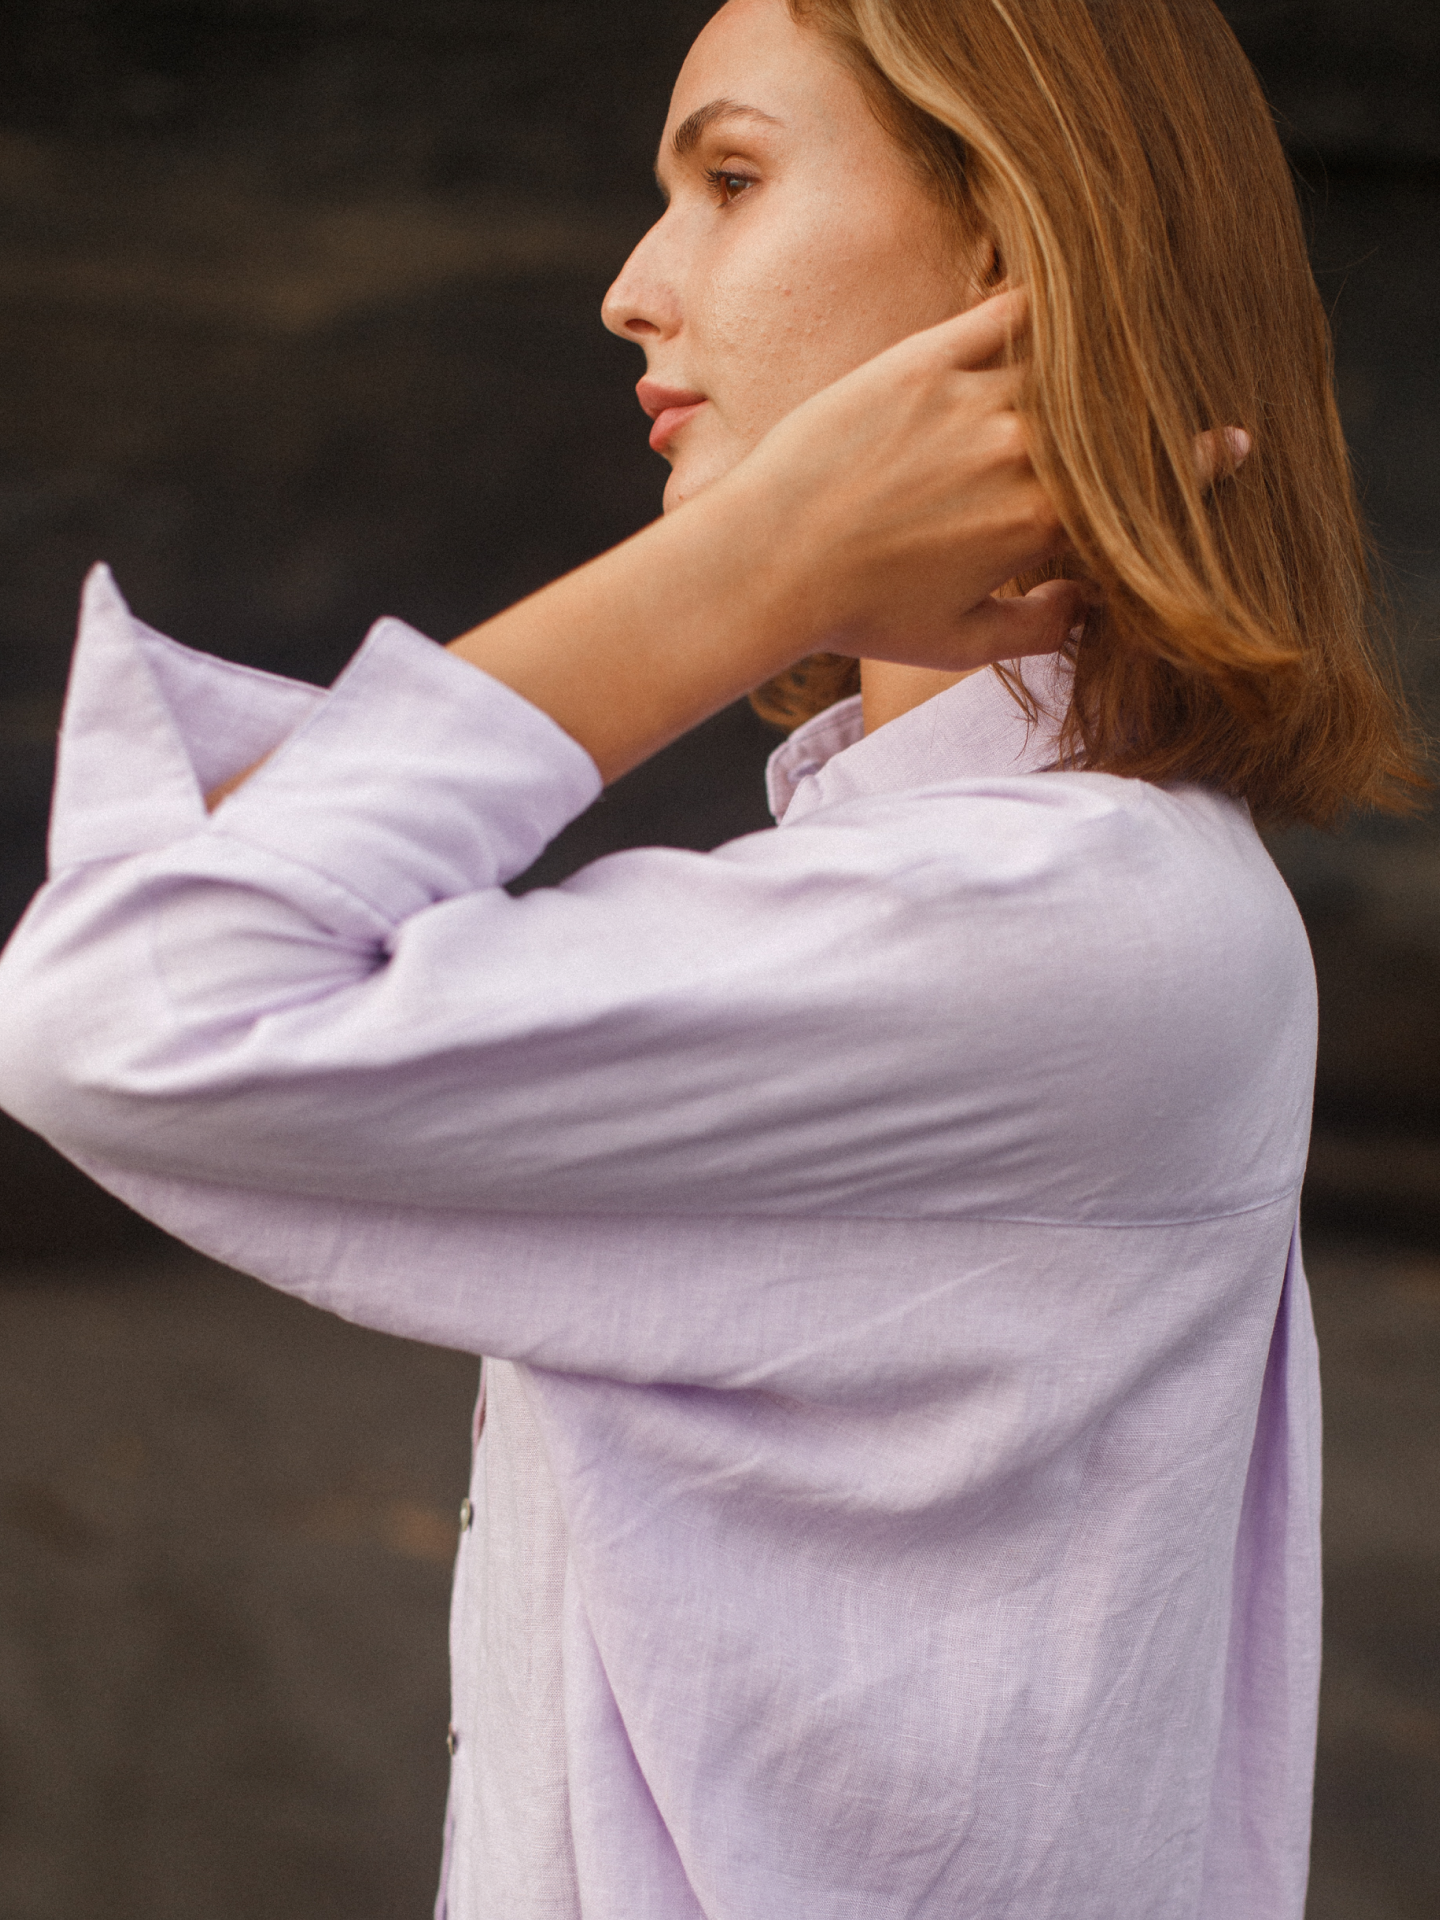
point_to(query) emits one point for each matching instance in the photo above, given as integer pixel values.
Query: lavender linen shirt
(899, 1494)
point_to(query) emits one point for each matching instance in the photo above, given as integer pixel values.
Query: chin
(687, 478)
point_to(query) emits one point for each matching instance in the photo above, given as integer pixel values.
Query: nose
(643, 303)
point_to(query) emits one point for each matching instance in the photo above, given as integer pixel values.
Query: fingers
(998, 387)
(1019, 625)
(1218, 451)
(977, 337)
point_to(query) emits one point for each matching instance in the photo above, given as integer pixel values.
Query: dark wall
(298, 298)
(298, 325)
(299, 305)
(1353, 82)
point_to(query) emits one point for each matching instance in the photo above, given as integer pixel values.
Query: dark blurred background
(298, 325)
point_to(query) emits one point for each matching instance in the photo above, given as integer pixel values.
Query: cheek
(784, 318)
(771, 324)
(760, 351)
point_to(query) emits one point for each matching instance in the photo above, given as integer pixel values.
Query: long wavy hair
(1121, 161)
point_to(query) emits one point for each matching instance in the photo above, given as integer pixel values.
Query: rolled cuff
(417, 777)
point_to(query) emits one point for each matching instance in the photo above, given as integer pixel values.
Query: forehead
(753, 52)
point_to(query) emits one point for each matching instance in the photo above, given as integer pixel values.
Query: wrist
(644, 642)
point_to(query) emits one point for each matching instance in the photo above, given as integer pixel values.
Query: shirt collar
(975, 728)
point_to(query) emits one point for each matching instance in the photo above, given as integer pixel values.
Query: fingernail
(1239, 442)
(1076, 634)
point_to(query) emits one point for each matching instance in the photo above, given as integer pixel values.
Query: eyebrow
(686, 136)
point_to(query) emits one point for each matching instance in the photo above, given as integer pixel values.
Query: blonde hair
(1120, 157)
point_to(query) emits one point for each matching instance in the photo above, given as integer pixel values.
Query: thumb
(1013, 626)
(975, 338)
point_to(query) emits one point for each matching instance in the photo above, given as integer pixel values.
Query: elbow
(45, 1081)
(70, 1020)
(128, 1016)
(134, 1005)
(83, 1079)
(36, 1081)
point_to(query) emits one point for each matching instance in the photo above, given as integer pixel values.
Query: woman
(898, 1492)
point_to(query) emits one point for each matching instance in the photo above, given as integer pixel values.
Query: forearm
(635, 648)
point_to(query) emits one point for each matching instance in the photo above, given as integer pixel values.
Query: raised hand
(913, 497)
(910, 493)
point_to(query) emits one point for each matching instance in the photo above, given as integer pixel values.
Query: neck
(887, 691)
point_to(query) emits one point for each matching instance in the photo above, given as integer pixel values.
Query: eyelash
(718, 177)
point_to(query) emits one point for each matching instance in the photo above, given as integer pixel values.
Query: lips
(669, 408)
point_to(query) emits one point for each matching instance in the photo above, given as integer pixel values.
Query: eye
(728, 184)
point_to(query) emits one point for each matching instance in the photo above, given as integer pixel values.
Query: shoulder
(1075, 870)
(1067, 841)
(1116, 967)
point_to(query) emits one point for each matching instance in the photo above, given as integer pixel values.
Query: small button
(467, 1514)
(452, 1741)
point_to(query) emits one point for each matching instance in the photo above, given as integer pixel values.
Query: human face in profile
(797, 241)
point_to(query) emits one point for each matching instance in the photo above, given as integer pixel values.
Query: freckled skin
(817, 248)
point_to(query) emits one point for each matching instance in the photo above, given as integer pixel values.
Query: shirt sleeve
(323, 993)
